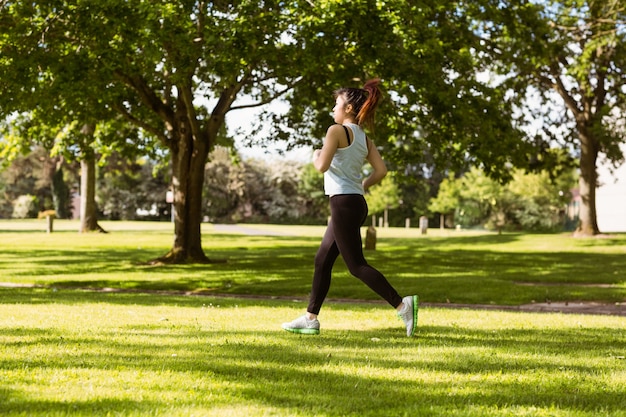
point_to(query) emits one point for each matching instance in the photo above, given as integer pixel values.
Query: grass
(70, 352)
(84, 353)
(449, 267)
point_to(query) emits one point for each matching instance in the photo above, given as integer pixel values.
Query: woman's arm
(378, 166)
(323, 157)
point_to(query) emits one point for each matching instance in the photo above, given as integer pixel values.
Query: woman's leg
(348, 213)
(324, 260)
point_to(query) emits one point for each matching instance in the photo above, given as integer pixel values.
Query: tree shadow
(440, 270)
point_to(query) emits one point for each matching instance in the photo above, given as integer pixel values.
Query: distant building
(611, 198)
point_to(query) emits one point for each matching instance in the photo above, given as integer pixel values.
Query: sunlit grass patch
(442, 266)
(84, 353)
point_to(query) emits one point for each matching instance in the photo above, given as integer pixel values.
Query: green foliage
(385, 195)
(448, 198)
(10, 144)
(561, 61)
(175, 69)
(224, 184)
(30, 174)
(414, 193)
(428, 58)
(531, 201)
(255, 190)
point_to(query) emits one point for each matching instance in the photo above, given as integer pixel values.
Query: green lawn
(66, 351)
(448, 267)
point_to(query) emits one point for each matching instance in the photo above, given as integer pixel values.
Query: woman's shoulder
(337, 131)
(336, 127)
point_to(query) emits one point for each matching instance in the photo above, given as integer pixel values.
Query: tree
(88, 144)
(175, 69)
(281, 181)
(27, 175)
(530, 201)
(311, 195)
(257, 190)
(55, 90)
(437, 104)
(163, 65)
(383, 197)
(568, 55)
(447, 199)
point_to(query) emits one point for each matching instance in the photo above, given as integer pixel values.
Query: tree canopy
(563, 61)
(174, 69)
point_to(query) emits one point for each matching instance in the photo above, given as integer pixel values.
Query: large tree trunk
(189, 155)
(60, 192)
(52, 177)
(189, 139)
(88, 212)
(588, 223)
(88, 209)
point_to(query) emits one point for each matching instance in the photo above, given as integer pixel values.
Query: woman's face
(339, 111)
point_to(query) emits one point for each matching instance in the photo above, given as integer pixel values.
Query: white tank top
(344, 175)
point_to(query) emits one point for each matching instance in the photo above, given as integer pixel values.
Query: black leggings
(343, 236)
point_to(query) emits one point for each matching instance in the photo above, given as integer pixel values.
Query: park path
(250, 231)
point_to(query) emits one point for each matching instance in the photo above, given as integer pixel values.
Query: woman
(341, 159)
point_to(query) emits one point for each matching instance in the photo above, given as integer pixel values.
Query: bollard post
(424, 224)
(49, 223)
(370, 238)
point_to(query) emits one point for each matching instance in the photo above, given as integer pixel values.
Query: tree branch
(137, 122)
(558, 85)
(267, 100)
(190, 110)
(148, 97)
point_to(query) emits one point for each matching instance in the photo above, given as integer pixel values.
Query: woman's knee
(358, 269)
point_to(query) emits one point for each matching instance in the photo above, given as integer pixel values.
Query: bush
(25, 207)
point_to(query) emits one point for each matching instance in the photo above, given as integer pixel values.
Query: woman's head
(360, 103)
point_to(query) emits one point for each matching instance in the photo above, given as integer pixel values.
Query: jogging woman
(341, 159)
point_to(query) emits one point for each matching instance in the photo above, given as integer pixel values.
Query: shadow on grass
(20, 404)
(71, 297)
(490, 373)
(283, 266)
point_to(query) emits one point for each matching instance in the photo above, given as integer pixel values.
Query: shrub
(25, 207)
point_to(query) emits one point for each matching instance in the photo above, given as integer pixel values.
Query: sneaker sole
(415, 309)
(303, 331)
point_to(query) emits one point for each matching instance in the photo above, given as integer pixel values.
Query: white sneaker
(409, 315)
(303, 325)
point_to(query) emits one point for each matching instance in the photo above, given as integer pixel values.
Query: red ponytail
(367, 112)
